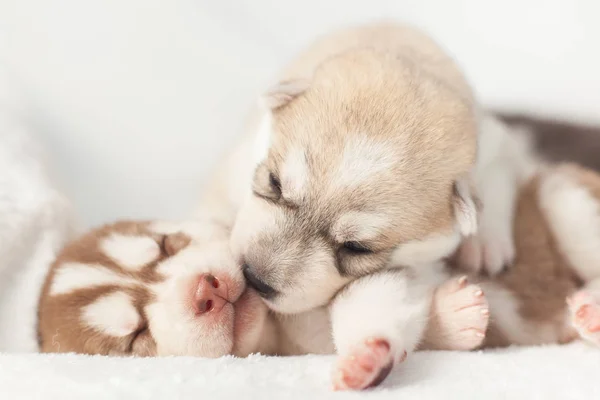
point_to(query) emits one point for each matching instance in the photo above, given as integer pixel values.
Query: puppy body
(556, 233)
(365, 156)
(360, 159)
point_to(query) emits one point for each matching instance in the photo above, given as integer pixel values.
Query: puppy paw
(461, 313)
(584, 311)
(498, 253)
(487, 251)
(367, 365)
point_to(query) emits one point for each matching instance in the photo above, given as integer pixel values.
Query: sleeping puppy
(366, 156)
(359, 158)
(141, 288)
(147, 289)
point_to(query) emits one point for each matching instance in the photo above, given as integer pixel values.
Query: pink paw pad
(585, 315)
(463, 314)
(367, 366)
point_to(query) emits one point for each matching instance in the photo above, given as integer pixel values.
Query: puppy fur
(120, 290)
(551, 294)
(359, 159)
(557, 238)
(131, 288)
(368, 154)
(124, 289)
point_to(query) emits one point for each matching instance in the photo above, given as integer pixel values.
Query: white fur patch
(131, 252)
(432, 248)
(504, 159)
(359, 226)
(74, 276)
(113, 315)
(294, 175)
(497, 186)
(504, 308)
(574, 216)
(363, 158)
(390, 305)
(262, 142)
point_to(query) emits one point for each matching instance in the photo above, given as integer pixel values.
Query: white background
(137, 99)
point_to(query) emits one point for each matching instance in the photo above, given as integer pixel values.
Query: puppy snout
(255, 282)
(209, 295)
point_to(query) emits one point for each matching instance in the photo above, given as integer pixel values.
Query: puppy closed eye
(266, 184)
(275, 183)
(138, 334)
(141, 343)
(356, 247)
(173, 243)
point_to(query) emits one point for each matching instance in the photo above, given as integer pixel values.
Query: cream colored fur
(370, 118)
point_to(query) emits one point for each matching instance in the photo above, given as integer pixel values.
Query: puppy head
(364, 165)
(146, 289)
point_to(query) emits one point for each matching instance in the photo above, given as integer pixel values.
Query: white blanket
(561, 373)
(35, 222)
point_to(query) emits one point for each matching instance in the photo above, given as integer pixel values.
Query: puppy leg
(504, 160)
(492, 247)
(570, 198)
(459, 317)
(376, 322)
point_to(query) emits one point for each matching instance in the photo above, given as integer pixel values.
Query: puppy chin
(249, 323)
(307, 295)
(286, 306)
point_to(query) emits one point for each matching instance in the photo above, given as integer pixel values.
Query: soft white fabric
(561, 373)
(35, 220)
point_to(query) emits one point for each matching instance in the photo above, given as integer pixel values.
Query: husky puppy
(367, 156)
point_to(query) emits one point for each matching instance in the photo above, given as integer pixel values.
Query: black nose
(254, 281)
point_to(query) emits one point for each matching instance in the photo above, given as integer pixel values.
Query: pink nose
(209, 295)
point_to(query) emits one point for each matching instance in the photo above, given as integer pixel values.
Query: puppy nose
(208, 295)
(256, 283)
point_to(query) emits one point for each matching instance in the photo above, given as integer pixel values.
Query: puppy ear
(466, 206)
(175, 242)
(284, 92)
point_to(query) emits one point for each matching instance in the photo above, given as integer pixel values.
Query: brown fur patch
(175, 242)
(60, 328)
(541, 278)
